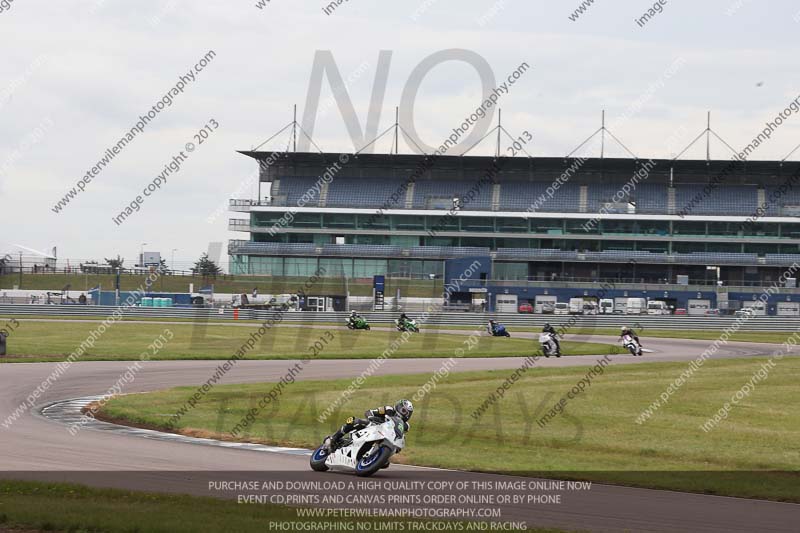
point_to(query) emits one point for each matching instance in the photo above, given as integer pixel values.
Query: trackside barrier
(758, 323)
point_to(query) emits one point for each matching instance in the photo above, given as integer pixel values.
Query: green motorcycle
(358, 323)
(406, 325)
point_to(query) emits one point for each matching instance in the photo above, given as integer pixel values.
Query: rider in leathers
(403, 408)
(549, 329)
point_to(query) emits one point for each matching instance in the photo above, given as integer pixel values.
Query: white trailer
(657, 307)
(561, 308)
(576, 306)
(590, 307)
(606, 306)
(621, 305)
(636, 306)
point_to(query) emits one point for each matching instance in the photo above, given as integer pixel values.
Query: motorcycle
(549, 346)
(365, 451)
(631, 345)
(358, 323)
(499, 330)
(406, 325)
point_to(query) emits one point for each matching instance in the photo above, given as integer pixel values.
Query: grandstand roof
(530, 168)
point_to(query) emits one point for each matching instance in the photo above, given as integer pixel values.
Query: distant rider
(628, 331)
(353, 317)
(549, 329)
(403, 408)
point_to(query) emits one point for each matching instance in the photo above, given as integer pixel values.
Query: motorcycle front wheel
(369, 464)
(318, 459)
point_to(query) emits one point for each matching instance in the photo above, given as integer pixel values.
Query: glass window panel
(509, 225)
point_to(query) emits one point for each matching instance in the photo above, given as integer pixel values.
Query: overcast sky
(76, 75)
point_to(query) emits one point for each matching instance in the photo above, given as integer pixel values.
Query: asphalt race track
(40, 448)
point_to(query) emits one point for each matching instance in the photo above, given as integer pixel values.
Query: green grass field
(753, 453)
(78, 509)
(52, 341)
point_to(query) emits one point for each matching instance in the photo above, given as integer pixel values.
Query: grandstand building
(685, 227)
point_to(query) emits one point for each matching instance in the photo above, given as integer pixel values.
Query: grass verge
(751, 454)
(53, 341)
(77, 508)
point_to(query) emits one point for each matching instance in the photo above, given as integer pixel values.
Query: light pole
(172, 267)
(141, 254)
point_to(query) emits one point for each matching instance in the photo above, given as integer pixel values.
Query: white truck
(636, 306)
(606, 306)
(621, 305)
(576, 306)
(657, 307)
(561, 308)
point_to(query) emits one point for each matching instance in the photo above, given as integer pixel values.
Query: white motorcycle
(549, 346)
(364, 451)
(631, 345)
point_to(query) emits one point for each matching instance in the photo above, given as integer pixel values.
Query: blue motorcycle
(499, 330)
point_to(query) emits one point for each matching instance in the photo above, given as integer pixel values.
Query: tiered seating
(524, 195)
(600, 194)
(439, 194)
(356, 250)
(724, 200)
(519, 254)
(534, 254)
(777, 200)
(650, 198)
(368, 192)
(621, 255)
(782, 259)
(271, 248)
(445, 252)
(716, 258)
(291, 189)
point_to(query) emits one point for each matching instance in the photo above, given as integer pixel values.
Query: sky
(77, 75)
